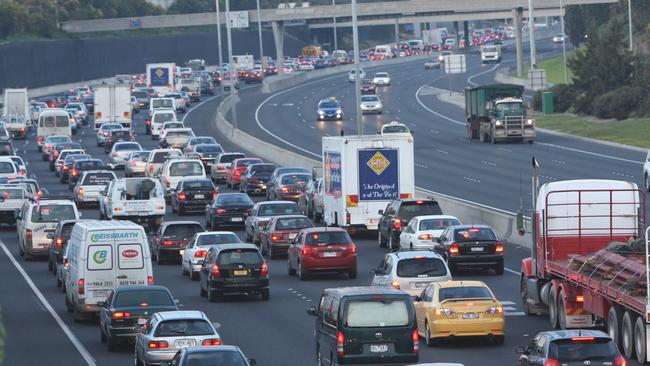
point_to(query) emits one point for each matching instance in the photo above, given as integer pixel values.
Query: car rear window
(178, 133)
(421, 267)
(163, 117)
(245, 163)
(263, 168)
(143, 298)
(464, 292)
(278, 209)
(7, 167)
(437, 224)
(473, 234)
(296, 179)
(240, 256)
(110, 126)
(395, 129)
(331, 237)
(53, 213)
(409, 210)
(66, 230)
(211, 148)
(186, 168)
(230, 158)
(6, 148)
(233, 199)
(128, 146)
(210, 239)
(97, 179)
(198, 184)
(216, 358)
(377, 313)
(184, 231)
(160, 157)
(293, 223)
(12, 193)
(183, 327)
(567, 350)
(88, 165)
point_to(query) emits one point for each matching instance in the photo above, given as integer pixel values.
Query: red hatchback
(237, 168)
(275, 237)
(322, 249)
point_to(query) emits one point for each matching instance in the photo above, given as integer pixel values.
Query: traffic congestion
(161, 237)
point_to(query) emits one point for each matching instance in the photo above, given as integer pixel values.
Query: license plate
(378, 348)
(197, 196)
(477, 249)
(240, 272)
(100, 293)
(292, 236)
(470, 316)
(421, 284)
(142, 321)
(236, 219)
(182, 343)
(329, 254)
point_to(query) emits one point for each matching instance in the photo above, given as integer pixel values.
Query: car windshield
(473, 234)
(464, 292)
(182, 231)
(198, 184)
(72, 158)
(566, 350)
(409, 210)
(169, 125)
(162, 103)
(140, 155)
(203, 140)
(509, 107)
(369, 98)
(110, 127)
(56, 139)
(275, 209)
(293, 223)
(97, 179)
(296, 179)
(329, 104)
(12, 193)
(186, 168)
(395, 129)
(381, 75)
(210, 239)
(216, 358)
(436, 224)
(53, 213)
(56, 121)
(489, 49)
(7, 167)
(163, 117)
(209, 148)
(183, 327)
(240, 256)
(128, 146)
(328, 237)
(421, 267)
(178, 133)
(143, 298)
(377, 313)
(140, 94)
(233, 199)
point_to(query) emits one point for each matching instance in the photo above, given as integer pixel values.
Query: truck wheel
(492, 139)
(561, 310)
(640, 340)
(482, 137)
(627, 334)
(524, 297)
(647, 183)
(614, 320)
(552, 309)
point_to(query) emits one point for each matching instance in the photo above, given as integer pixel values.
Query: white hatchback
(422, 231)
(381, 78)
(411, 271)
(198, 247)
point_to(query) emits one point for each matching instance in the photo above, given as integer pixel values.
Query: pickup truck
(11, 200)
(139, 200)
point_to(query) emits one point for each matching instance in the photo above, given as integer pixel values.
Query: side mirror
(380, 212)
(439, 240)
(178, 302)
(312, 311)
(520, 349)
(80, 214)
(418, 298)
(138, 329)
(252, 362)
(49, 236)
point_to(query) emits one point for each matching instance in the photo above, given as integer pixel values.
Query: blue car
(329, 109)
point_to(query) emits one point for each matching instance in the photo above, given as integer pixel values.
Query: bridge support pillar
(465, 34)
(417, 30)
(517, 15)
(278, 36)
(397, 32)
(456, 33)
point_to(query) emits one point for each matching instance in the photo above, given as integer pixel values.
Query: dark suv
(234, 268)
(171, 238)
(472, 246)
(365, 325)
(397, 215)
(59, 238)
(571, 347)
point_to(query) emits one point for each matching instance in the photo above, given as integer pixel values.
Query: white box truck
(242, 63)
(192, 86)
(16, 113)
(161, 77)
(113, 104)
(362, 174)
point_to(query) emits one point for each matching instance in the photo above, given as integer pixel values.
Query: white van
(101, 256)
(175, 170)
(157, 158)
(8, 168)
(52, 122)
(161, 103)
(37, 219)
(158, 118)
(383, 52)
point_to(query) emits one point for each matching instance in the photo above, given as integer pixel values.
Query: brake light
(237, 173)
(551, 362)
(340, 341)
(215, 270)
(121, 315)
(580, 298)
(40, 139)
(425, 236)
(220, 167)
(416, 341)
(167, 242)
(81, 192)
(275, 237)
(28, 233)
(620, 361)
(150, 280)
(59, 243)
(56, 153)
(182, 196)
(397, 224)
(473, 230)
(167, 183)
(265, 269)
(352, 248)
(499, 248)
(453, 249)
(220, 211)
(74, 172)
(214, 194)
(494, 310)
(148, 122)
(395, 284)
(65, 167)
(158, 344)
(284, 189)
(114, 154)
(582, 340)
(252, 179)
(307, 251)
(82, 289)
(200, 253)
(211, 342)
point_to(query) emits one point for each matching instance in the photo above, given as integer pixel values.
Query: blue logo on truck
(378, 174)
(332, 173)
(159, 76)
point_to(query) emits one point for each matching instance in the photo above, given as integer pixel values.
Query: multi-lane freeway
(279, 332)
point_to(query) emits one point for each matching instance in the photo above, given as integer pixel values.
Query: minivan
(52, 122)
(101, 256)
(365, 325)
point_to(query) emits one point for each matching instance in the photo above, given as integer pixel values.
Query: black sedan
(79, 166)
(228, 209)
(472, 246)
(60, 147)
(193, 195)
(128, 307)
(256, 177)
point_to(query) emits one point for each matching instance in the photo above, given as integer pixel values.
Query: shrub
(619, 103)
(563, 97)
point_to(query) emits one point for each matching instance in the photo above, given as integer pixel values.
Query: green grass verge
(633, 131)
(554, 67)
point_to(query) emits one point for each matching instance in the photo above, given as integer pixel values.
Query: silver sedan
(371, 104)
(137, 161)
(120, 152)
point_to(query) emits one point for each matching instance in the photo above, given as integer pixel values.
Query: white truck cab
(137, 199)
(158, 118)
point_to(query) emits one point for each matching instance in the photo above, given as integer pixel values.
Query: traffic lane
(32, 335)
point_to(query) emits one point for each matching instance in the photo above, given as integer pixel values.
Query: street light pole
(629, 15)
(259, 31)
(531, 33)
(566, 72)
(336, 44)
(233, 90)
(357, 80)
(220, 69)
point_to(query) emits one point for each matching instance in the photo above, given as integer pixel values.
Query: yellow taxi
(459, 309)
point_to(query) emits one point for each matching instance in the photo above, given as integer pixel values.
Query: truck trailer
(161, 77)
(16, 113)
(588, 264)
(113, 105)
(362, 174)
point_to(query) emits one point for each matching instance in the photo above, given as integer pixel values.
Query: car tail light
(425, 236)
(158, 344)
(395, 284)
(182, 196)
(495, 310)
(56, 154)
(220, 211)
(121, 315)
(28, 233)
(583, 340)
(264, 271)
(307, 251)
(214, 194)
(446, 312)
(352, 248)
(580, 298)
(221, 167)
(618, 361)
(236, 173)
(150, 168)
(211, 342)
(551, 362)
(40, 139)
(82, 289)
(340, 342)
(215, 270)
(397, 224)
(200, 253)
(416, 341)
(276, 237)
(499, 248)
(284, 189)
(167, 183)
(65, 167)
(59, 243)
(453, 249)
(148, 122)
(252, 179)
(74, 172)
(167, 242)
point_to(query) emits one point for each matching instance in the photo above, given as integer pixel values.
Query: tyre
(266, 294)
(627, 334)
(272, 254)
(102, 336)
(552, 309)
(290, 270)
(524, 297)
(77, 315)
(352, 275)
(159, 260)
(302, 276)
(561, 310)
(614, 320)
(194, 275)
(380, 239)
(202, 292)
(183, 271)
(640, 340)
(647, 183)
(180, 211)
(391, 245)
(427, 334)
(68, 305)
(212, 294)
(498, 269)
(111, 344)
(138, 362)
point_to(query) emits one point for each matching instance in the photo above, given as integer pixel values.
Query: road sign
(455, 64)
(537, 78)
(238, 19)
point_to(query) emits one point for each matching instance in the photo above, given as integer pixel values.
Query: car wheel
(272, 254)
(391, 246)
(202, 292)
(561, 311)
(102, 335)
(138, 362)
(380, 239)
(302, 276)
(524, 297)
(50, 267)
(627, 334)
(498, 269)
(111, 344)
(647, 183)
(173, 208)
(640, 340)
(183, 271)
(552, 310)
(180, 211)
(427, 334)
(159, 259)
(59, 283)
(266, 294)
(290, 270)
(212, 294)
(194, 275)
(352, 274)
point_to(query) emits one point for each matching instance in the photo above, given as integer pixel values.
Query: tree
(577, 18)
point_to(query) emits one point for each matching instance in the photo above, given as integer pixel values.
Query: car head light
(498, 123)
(321, 112)
(338, 111)
(530, 122)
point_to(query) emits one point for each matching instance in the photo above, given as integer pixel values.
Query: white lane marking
(75, 341)
(517, 273)
(590, 153)
(516, 313)
(442, 151)
(469, 79)
(489, 163)
(508, 303)
(289, 104)
(624, 175)
(196, 106)
(417, 97)
(473, 180)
